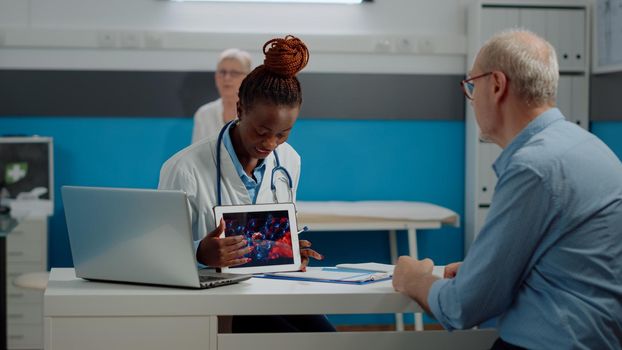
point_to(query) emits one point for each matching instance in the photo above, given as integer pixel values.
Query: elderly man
(548, 260)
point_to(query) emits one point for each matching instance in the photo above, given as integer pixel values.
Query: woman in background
(233, 66)
(235, 167)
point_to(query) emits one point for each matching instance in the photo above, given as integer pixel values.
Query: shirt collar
(226, 139)
(534, 127)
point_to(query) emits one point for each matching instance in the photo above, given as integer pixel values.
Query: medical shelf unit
(26, 251)
(565, 24)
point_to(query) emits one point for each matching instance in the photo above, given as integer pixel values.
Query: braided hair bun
(275, 81)
(285, 57)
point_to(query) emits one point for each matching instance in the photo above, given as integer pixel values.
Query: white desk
(89, 315)
(378, 216)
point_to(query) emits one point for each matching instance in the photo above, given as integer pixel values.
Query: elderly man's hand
(408, 270)
(414, 278)
(451, 270)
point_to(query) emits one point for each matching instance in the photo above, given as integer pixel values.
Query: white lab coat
(193, 170)
(208, 120)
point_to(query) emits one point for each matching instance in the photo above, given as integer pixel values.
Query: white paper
(370, 266)
(333, 275)
(438, 270)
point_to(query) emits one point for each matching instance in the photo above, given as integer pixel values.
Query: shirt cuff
(435, 303)
(196, 247)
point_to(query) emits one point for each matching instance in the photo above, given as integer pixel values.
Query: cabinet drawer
(24, 247)
(25, 336)
(24, 313)
(27, 230)
(14, 270)
(21, 295)
(30, 226)
(19, 268)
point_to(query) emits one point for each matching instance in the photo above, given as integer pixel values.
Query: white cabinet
(564, 23)
(487, 178)
(26, 251)
(571, 98)
(564, 28)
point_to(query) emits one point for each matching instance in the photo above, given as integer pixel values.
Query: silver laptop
(136, 236)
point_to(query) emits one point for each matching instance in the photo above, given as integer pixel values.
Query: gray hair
(529, 62)
(243, 57)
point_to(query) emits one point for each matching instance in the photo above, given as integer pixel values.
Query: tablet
(270, 229)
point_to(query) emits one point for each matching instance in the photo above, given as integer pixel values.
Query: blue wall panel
(118, 152)
(611, 133)
(383, 160)
(342, 160)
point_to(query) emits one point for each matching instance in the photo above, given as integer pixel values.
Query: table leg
(213, 331)
(412, 248)
(412, 242)
(399, 318)
(393, 246)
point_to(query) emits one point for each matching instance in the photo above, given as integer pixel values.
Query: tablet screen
(270, 229)
(268, 233)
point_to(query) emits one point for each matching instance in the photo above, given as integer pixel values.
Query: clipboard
(332, 275)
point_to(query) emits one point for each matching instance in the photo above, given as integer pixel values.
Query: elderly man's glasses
(232, 73)
(468, 86)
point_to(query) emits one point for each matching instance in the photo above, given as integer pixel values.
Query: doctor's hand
(214, 251)
(306, 253)
(451, 270)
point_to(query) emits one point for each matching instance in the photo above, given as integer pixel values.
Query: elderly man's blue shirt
(548, 260)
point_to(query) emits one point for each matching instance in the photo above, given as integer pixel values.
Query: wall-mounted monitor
(27, 175)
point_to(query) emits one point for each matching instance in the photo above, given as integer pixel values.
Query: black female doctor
(248, 163)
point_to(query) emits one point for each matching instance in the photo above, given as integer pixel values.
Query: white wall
(419, 36)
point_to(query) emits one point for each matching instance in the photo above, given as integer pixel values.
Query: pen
(304, 229)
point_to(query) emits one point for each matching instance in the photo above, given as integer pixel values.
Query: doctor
(248, 163)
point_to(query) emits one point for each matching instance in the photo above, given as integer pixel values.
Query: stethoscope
(278, 167)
